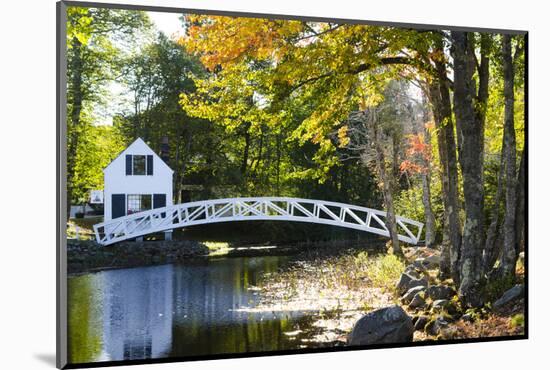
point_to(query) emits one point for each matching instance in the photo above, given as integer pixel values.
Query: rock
(418, 301)
(432, 262)
(419, 264)
(87, 255)
(435, 326)
(423, 281)
(437, 292)
(440, 303)
(421, 322)
(403, 283)
(410, 280)
(447, 306)
(407, 297)
(467, 317)
(386, 325)
(413, 271)
(510, 296)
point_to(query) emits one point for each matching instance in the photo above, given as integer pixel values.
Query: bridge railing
(264, 208)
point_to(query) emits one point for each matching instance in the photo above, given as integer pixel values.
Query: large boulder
(436, 292)
(509, 296)
(386, 325)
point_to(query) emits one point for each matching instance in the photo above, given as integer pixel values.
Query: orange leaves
(412, 167)
(226, 40)
(418, 155)
(417, 146)
(430, 126)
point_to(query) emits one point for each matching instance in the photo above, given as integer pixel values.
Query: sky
(168, 23)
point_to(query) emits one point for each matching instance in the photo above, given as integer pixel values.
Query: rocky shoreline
(87, 255)
(430, 310)
(355, 299)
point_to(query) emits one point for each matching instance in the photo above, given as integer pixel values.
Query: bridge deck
(245, 209)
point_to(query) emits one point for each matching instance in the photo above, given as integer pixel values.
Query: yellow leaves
(437, 55)
(343, 138)
(373, 100)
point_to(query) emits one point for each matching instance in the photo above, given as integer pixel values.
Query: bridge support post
(168, 235)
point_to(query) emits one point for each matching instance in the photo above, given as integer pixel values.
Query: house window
(139, 203)
(139, 164)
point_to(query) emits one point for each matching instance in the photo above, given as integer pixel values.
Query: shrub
(494, 289)
(384, 271)
(517, 321)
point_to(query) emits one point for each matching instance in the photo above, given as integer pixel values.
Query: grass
(85, 227)
(348, 281)
(217, 248)
(517, 321)
(337, 288)
(384, 270)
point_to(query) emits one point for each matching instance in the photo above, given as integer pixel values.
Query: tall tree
(92, 62)
(470, 134)
(443, 116)
(509, 254)
(520, 207)
(375, 135)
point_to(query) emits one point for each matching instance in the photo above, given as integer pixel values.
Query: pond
(175, 311)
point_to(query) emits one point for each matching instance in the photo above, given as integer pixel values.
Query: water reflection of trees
(182, 310)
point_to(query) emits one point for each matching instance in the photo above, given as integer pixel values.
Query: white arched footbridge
(247, 209)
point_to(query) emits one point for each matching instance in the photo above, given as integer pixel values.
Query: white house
(137, 180)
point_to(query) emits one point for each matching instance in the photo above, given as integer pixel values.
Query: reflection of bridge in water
(249, 209)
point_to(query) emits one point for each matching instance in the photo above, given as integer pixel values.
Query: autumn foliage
(418, 154)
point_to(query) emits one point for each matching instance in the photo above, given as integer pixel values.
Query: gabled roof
(138, 142)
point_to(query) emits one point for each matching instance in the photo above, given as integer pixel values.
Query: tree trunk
(177, 172)
(480, 105)
(184, 161)
(244, 162)
(445, 260)
(278, 170)
(470, 132)
(428, 212)
(490, 253)
(76, 102)
(520, 207)
(441, 105)
(391, 222)
(509, 255)
(429, 217)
